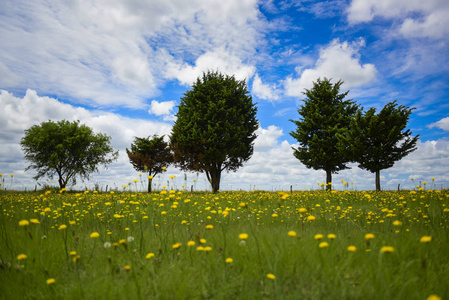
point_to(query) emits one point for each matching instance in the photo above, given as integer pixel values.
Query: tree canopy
(150, 155)
(323, 115)
(66, 149)
(377, 141)
(215, 126)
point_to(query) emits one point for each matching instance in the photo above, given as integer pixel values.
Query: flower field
(231, 245)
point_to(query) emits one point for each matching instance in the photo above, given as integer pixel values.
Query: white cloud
(264, 91)
(419, 18)
(442, 124)
(267, 138)
(337, 61)
(161, 108)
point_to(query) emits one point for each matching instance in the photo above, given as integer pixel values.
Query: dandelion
(150, 177)
(331, 236)
(94, 235)
(369, 236)
(207, 248)
(209, 226)
(24, 223)
(63, 226)
(76, 258)
(243, 236)
(50, 281)
(302, 210)
(127, 267)
(271, 276)
(191, 243)
(130, 239)
(397, 223)
(72, 253)
(311, 218)
(200, 248)
(426, 239)
(176, 246)
(352, 248)
(323, 245)
(21, 256)
(34, 221)
(387, 249)
(292, 233)
(203, 241)
(229, 260)
(274, 215)
(107, 245)
(318, 236)
(433, 297)
(149, 255)
(122, 242)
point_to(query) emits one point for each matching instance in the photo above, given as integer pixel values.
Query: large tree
(215, 125)
(377, 141)
(150, 155)
(66, 149)
(323, 115)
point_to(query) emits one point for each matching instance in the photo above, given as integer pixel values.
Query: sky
(121, 67)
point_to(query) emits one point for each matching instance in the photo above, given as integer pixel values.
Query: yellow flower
(191, 243)
(425, 239)
(369, 236)
(433, 297)
(209, 226)
(274, 215)
(177, 245)
(50, 281)
(271, 276)
(149, 255)
(323, 245)
(291, 233)
(352, 248)
(397, 223)
(76, 258)
(229, 260)
(63, 226)
(135, 180)
(22, 256)
(200, 248)
(302, 210)
(150, 177)
(318, 236)
(122, 241)
(34, 221)
(207, 248)
(72, 253)
(24, 223)
(94, 235)
(243, 236)
(387, 249)
(203, 241)
(311, 218)
(127, 267)
(331, 236)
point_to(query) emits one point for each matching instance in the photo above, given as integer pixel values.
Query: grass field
(231, 245)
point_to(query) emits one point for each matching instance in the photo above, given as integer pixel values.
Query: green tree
(377, 141)
(324, 114)
(215, 125)
(66, 149)
(150, 155)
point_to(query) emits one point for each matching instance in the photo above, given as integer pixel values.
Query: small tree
(150, 155)
(66, 149)
(377, 141)
(215, 125)
(324, 114)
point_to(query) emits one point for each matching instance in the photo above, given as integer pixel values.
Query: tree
(377, 141)
(215, 125)
(150, 155)
(66, 149)
(324, 114)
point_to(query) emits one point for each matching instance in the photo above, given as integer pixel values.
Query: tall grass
(137, 253)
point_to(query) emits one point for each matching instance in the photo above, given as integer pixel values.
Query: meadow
(230, 245)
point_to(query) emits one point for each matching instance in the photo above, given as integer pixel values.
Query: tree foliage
(323, 115)
(215, 125)
(150, 155)
(66, 149)
(377, 141)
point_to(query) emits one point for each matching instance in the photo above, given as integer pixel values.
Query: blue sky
(122, 66)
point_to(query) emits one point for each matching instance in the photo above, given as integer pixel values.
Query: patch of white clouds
(264, 91)
(418, 18)
(163, 109)
(339, 60)
(442, 124)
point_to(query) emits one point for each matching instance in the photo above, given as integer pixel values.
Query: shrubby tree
(323, 115)
(150, 155)
(215, 125)
(377, 141)
(66, 149)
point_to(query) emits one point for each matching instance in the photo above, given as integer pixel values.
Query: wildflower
(209, 226)
(425, 239)
(127, 267)
(76, 258)
(318, 236)
(311, 218)
(22, 256)
(387, 249)
(323, 245)
(150, 177)
(369, 236)
(229, 260)
(271, 276)
(122, 241)
(243, 236)
(291, 233)
(331, 236)
(94, 235)
(203, 241)
(302, 210)
(397, 223)
(274, 215)
(107, 245)
(200, 248)
(352, 248)
(191, 243)
(433, 297)
(72, 253)
(63, 226)
(24, 223)
(34, 221)
(135, 180)
(207, 248)
(177, 245)
(50, 281)
(149, 255)
(130, 239)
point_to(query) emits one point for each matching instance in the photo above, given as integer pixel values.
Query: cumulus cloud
(339, 60)
(264, 91)
(161, 108)
(442, 124)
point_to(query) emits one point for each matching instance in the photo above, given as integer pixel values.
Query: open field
(233, 245)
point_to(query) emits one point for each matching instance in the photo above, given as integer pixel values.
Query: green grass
(135, 224)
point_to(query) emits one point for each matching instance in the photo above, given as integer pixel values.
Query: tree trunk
(149, 183)
(328, 180)
(61, 182)
(377, 180)
(214, 176)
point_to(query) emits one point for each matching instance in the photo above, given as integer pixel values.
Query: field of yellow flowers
(231, 245)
